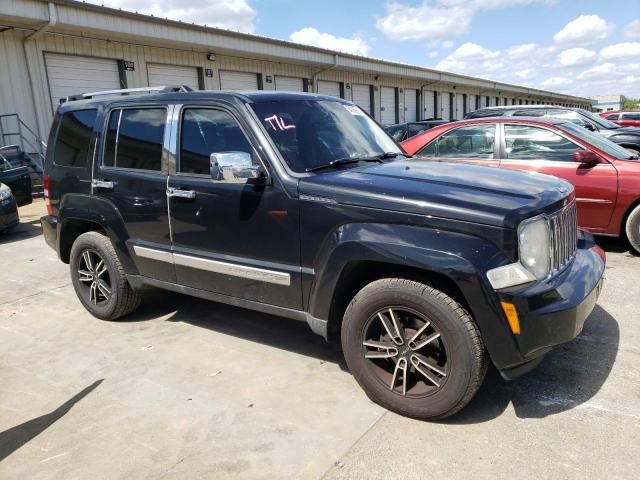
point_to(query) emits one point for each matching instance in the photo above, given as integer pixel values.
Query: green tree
(630, 104)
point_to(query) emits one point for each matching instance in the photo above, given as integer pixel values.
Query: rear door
(388, 106)
(132, 174)
(466, 144)
(539, 149)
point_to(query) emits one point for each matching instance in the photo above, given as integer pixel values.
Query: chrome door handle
(104, 184)
(176, 192)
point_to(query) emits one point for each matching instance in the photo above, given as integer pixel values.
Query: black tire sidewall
(95, 242)
(458, 344)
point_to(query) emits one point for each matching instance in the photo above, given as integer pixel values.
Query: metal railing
(13, 131)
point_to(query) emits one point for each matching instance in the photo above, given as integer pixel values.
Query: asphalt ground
(185, 388)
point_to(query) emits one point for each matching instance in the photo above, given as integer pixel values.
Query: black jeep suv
(300, 205)
(627, 137)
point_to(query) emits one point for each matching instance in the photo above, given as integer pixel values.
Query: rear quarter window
(73, 141)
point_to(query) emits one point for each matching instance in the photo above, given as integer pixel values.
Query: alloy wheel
(405, 351)
(94, 277)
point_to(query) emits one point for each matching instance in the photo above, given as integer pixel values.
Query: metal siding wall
(15, 94)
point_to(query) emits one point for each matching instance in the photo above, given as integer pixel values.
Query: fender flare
(101, 212)
(462, 258)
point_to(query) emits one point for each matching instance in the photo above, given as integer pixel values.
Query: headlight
(533, 245)
(535, 260)
(5, 192)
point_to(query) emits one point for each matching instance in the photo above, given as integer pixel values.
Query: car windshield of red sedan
(600, 142)
(313, 133)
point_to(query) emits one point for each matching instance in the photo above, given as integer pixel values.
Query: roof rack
(129, 91)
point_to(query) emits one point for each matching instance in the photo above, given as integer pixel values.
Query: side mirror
(233, 167)
(586, 158)
(591, 127)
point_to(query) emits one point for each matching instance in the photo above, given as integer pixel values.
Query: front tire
(99, 278)
(413, 349)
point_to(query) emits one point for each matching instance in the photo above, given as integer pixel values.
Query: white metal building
(52, 49)
(608, 103)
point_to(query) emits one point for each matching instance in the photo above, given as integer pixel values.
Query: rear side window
(630, 116)
(475, 141)
(74, 138)
(134, 138)
(615, 116)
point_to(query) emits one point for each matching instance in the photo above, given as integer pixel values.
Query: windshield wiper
(348, 160)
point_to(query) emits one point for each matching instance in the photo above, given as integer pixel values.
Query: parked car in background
(16, 173)
(623, 118)
(8, 209)
(300, 205)
(627, 137)
(402, 131)
(606, 176)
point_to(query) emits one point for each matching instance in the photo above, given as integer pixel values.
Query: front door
(132, 175)
(538, 149)
(235, 232)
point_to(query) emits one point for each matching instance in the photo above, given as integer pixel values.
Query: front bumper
(8, 213)
(554, 312)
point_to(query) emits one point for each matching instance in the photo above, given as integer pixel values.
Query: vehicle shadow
(15, 437)
(22, 231)
(278, 332)
(615, 245)
(568, 377)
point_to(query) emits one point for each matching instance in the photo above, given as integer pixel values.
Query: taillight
(46, 184)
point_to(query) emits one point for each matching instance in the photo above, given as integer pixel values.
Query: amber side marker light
(512, 316)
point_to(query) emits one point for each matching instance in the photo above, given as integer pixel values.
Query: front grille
(564, 236)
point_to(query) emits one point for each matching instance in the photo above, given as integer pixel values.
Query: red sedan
(606, 177)
(622, 118)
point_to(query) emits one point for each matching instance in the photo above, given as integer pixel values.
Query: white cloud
(522, 51)
(573, 57)
(447, 44)
(311, 36)
(434, 54)
(556, 82)
(632, 30)
(437, 19)
(235, 15)
(526, 73)
(472, 51)
(621, 50)
(603, 70)
(584, 30)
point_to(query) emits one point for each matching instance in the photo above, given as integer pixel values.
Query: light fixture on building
(211, 57)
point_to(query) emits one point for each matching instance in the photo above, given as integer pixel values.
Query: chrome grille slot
(563, 228)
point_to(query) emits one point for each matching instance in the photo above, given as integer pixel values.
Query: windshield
(598, 141)
(313, 133)
(601, 122)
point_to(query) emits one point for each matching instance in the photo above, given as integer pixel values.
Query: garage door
(410, 107)
(429, 104)
(471, 103)
(483, 101)
(70, 74)
(361, 96)
(445, 105)
(329, 88)
(289, 84)
(387, 105)
(459, 106)
(159, 75)
(238, 80)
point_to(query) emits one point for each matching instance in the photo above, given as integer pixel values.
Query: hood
(464, 192)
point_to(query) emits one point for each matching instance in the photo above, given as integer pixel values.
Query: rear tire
(430, 366)
(632, 229)
(99, 278)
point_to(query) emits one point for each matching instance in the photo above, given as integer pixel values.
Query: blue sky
(582, 47)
